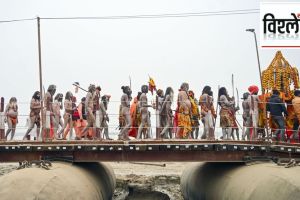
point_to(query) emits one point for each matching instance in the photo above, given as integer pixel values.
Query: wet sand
(7, 167)
(155, 181)
(139, 181)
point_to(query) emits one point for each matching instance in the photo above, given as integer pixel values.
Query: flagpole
(217, 107)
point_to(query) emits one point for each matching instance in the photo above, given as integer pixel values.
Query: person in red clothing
(11, 113)
(133, 113)
(81, 123)
(75, 117)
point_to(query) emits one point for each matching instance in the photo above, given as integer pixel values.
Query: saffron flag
(152, 86)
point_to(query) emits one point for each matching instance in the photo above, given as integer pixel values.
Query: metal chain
(38, 163)
(24, 164)
(291, 163)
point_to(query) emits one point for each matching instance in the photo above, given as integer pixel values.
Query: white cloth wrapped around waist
(2, 117)
(98, 124)
(209, 122)
(48, 120)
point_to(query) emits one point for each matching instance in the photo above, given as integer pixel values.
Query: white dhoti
(98, 118)
(2, 123)
(48, 120)
(208, 123)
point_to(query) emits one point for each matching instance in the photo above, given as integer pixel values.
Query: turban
(253, 89)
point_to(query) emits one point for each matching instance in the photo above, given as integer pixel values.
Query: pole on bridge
(40, 59)
(261, 85)
(217, 107)
(2, 121)
(40, 67)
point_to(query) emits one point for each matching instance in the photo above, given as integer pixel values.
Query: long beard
(51, 92)
(171, 97)
(129, 95)
(14, 105)
(37, 96)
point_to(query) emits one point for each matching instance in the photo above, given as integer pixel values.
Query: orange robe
(133, 111)
(184, 122)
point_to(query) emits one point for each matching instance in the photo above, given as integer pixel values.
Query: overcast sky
(198, 50)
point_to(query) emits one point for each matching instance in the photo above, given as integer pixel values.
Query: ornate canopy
(282, 76)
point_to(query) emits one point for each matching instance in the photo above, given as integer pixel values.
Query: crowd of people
(89, 118)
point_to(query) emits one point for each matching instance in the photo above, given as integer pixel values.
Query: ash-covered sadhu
(124, 115)
(272, 108)
(145, 117)
(48, 117)
(34, 116)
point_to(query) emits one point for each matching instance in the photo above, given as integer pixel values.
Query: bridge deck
(146, 150)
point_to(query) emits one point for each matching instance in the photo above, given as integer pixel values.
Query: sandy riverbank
(155, 181)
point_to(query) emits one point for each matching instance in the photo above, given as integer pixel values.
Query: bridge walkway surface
(147, 151)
